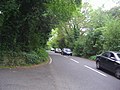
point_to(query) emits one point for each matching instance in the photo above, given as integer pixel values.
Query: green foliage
(112, 35)
(62, 9)
(79, 47)
(98, 18)
(91, 32)
(53, 39)
(27, 24)
(62, 12)
(36, 57)
(92, 57)
(10, 58)
(1, 19)
(42, 54)
(25, 27)
(115, 12)
(105, 34)
(93, 43)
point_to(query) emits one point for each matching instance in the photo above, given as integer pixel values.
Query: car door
(103, 59)
(111, 62)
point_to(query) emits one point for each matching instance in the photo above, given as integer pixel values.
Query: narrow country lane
(61, 73)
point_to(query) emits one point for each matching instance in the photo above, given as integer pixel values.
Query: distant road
(61, 73)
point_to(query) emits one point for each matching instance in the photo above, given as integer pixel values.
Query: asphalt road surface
(61, 73)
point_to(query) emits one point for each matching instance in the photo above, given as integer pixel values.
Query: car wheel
(98, 65)
(117, 73)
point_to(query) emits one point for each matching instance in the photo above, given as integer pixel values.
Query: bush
(42, 54)
(92, 57)
(36, 57)
(10, 58)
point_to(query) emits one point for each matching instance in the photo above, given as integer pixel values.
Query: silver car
(66, 51)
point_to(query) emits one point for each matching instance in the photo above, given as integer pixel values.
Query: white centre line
(50, 60)
(74, 60)
(95, 71)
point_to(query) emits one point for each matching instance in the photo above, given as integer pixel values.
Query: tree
(27, 24)
(61, 10)
(112, 35)
(90, 32)
(114, 12)
(62, 16)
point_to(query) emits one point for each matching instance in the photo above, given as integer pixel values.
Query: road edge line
(50, 60)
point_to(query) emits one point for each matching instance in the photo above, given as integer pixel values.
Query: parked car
(58, 50)
(66, 51)
(110, 61)
(52, 49)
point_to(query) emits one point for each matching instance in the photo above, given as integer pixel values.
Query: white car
(58, 50)
(52, 49)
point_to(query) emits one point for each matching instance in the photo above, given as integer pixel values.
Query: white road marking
(74, 60)
(50, 60)
(95, 71)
